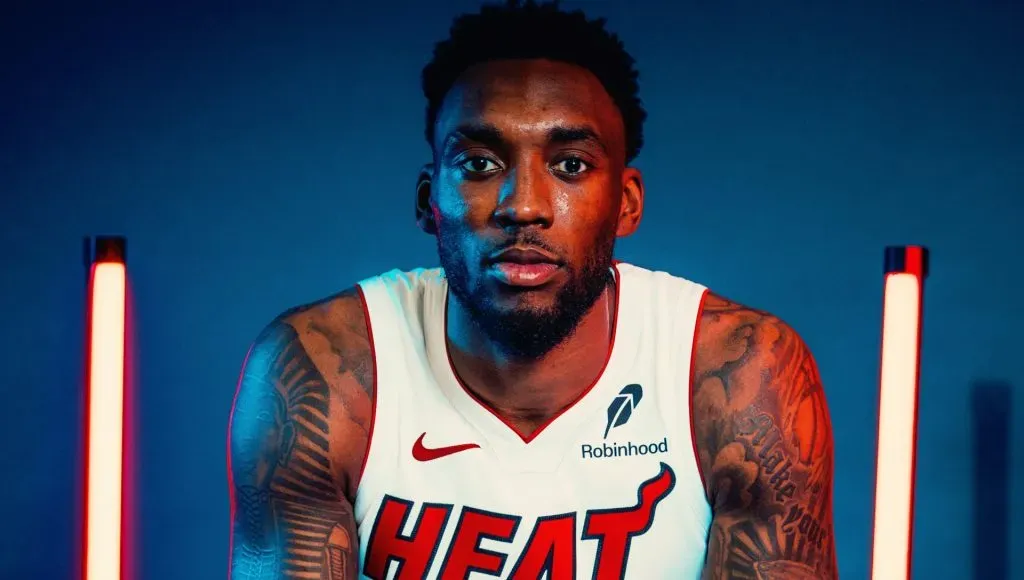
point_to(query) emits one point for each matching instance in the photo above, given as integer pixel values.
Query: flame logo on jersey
(622, 406)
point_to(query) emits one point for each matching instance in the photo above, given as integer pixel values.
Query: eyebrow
(580, 134)
(489, 135)
(483, 133)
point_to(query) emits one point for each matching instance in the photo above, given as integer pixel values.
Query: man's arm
(764, 440)
(296, 439)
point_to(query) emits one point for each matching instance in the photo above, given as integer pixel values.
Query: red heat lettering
(415, 552)
(551, 548)
(465, 554)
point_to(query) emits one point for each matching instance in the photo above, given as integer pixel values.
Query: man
(532, 409)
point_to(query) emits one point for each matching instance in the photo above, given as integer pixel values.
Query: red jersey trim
(373, 396)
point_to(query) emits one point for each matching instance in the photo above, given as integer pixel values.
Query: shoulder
(332, 335)
(731, 335)
(316, 362)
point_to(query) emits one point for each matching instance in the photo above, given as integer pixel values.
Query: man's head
(533, 117)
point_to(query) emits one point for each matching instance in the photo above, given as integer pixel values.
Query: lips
(524, 255)
(524, 267)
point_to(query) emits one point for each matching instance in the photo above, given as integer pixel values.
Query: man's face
(528, 193)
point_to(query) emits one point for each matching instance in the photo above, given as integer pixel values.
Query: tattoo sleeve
(765, 445)
(291, 515)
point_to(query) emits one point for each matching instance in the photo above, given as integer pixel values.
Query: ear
(631, 208)
(424, 213)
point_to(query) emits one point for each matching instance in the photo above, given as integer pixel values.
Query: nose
(524, 200)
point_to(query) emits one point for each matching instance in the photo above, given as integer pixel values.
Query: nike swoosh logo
(422, 453)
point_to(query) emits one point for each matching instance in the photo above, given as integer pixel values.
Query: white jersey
(608, 489)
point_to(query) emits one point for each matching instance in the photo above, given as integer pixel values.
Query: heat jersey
(608, 489)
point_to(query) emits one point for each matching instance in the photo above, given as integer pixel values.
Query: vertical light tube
(905, 271)
(106, 411)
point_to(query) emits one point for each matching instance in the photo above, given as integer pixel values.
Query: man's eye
(571, 166)
(479, 165)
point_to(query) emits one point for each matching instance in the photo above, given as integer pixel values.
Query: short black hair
(528, 29)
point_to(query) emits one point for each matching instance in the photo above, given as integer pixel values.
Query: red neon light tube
(905, 271)
(105, 422)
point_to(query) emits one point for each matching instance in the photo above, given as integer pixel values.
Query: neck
(528, 392)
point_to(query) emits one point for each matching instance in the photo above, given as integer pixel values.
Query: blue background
(259, 156)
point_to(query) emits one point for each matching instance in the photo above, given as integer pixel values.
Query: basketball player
(531, 409)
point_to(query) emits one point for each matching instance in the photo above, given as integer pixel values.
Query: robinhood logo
(622, 406)
(619, 413)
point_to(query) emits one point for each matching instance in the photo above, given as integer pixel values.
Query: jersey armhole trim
(373, 396)
(692, 390)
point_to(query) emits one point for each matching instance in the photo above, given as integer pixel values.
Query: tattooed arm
(765, 446)
(296, 439)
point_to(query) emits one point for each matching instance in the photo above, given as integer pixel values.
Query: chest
(601, 488)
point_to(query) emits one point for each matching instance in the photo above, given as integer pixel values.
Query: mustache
(527, 239)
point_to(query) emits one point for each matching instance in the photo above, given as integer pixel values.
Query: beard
(527, 332)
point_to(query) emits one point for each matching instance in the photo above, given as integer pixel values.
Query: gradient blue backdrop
(258, 156)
